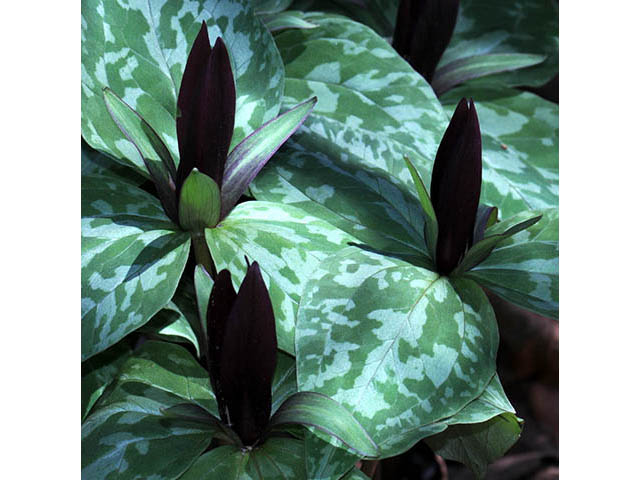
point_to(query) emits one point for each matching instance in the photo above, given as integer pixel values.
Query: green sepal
(485, 218)
(431, 222)
(203, 284)
(476, 66)
(481, 250)
(151, 148)
(199, 205)
(326, 418)
(247, 159)
(283, 20)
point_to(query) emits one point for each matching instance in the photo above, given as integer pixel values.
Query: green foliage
(376, 350)
(132, 259)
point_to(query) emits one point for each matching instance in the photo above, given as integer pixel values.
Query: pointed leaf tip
(455, 185)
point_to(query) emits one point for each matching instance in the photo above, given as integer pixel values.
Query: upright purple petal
(423, 31)
(248, 358)
(455, 186)
(221, 301)
(206, 109)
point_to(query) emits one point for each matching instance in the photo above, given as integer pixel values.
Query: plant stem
(202, 254)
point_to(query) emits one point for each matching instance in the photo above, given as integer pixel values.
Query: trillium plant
(241, 358)
(209, 180)
(269, 289)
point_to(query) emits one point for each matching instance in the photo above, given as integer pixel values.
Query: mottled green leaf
(200, 202)
(476, 66)
(173, 369)
(226, 462)
(371, 103)
(401, 347)
(276, 459)
(283, 20)
(287, 243)
(99, 371)
(284, 380)
(519, 147)
(326, 418)
(94, 162)
(477, 445)
(130, 435)
(523, 269)
(171, 324)
(380, 15)
(346, 163)
(270, 6)
(517, 26)
(324, 461)
(139, 50)
(132, 259)
(491, 403)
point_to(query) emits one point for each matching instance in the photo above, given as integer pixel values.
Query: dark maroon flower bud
(242, 350)
(206, 110)
(455, 186)
(423, 31)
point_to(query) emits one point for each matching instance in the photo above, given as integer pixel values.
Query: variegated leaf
(346, 163)
(270, 6)
(94, 162)
(326, 418)
(519, 147)
(324, 461)
(284, 20)
(369, 204)
(287, 243)
(380, 15)
(276, 459)
(371, 103)
(132, 259)
(284, 380)
(99, 371)
(491, 403)
(518, 26)
(171, 324)
(130, 435)
(173, 369)
(399, 346)
(523, 269)
(477, 66)
(139, 49)
(478, 444)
